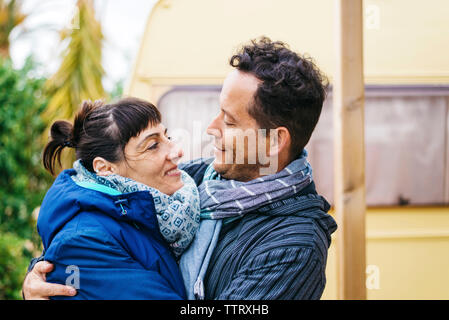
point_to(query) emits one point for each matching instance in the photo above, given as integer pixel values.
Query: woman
(114, 225)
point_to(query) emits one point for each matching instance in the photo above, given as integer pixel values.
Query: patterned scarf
(178, 215)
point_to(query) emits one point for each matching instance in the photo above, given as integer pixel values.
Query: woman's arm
(99, 268)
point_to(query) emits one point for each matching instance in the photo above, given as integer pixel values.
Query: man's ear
(103, 167)
(280, 141)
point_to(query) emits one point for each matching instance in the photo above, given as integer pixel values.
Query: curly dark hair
(291, 92)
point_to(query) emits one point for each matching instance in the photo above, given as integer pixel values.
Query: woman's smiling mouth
(174, 172)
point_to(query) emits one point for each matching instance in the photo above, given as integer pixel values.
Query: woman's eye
(228, 123)
(153, 146)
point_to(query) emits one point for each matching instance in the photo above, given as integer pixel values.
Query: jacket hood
(309, 205)
(65, 199)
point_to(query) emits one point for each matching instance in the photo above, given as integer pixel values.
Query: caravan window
(186, 112)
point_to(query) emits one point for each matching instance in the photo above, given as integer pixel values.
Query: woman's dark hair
(99, 130)
(291, 92)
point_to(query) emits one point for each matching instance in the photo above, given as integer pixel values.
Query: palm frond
(11, 16)
(80, 74)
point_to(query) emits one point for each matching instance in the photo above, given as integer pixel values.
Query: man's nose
(214, 128)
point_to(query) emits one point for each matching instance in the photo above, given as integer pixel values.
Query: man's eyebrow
(151, 135)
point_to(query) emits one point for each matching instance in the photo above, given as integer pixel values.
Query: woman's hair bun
(65, 134)
(61, 131)
(61, 136)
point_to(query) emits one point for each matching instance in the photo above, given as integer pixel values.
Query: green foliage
(23, 181)
(14, 259)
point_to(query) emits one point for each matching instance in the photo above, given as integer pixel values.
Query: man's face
(235, 131)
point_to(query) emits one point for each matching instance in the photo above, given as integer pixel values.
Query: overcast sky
(123, 23)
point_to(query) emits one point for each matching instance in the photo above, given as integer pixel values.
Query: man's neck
(274, 165)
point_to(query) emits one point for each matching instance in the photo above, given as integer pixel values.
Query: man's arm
(36, 288)
(289, 273)
(35, 260)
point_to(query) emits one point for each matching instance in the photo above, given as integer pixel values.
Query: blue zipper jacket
(106, 243)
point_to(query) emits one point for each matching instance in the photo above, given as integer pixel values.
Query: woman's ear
(103, 167)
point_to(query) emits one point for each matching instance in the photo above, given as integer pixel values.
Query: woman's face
(151, 158)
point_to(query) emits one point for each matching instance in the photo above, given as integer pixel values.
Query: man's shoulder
(270, 232)
(196, 168)
(281, 227)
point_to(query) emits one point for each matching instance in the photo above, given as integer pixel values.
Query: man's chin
(236, 172)
(221, 168)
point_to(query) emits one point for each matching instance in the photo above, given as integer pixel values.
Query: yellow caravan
(183, 60)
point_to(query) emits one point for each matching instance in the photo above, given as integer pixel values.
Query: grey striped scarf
(229, 198)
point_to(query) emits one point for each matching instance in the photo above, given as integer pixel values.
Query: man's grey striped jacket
(278, 252)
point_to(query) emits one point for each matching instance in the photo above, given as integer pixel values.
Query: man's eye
(228, 123)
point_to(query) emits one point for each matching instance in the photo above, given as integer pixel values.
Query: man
(274, 248)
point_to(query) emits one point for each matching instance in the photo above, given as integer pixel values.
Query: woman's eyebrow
(156, 134)
(151, 135)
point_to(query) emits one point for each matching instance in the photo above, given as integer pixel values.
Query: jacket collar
(65, 199)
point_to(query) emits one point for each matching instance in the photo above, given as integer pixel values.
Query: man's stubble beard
(239, 172)
(237, 164)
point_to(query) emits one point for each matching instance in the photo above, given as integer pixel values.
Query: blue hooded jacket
(107, 243)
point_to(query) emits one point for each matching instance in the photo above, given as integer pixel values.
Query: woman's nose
(175, 153)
